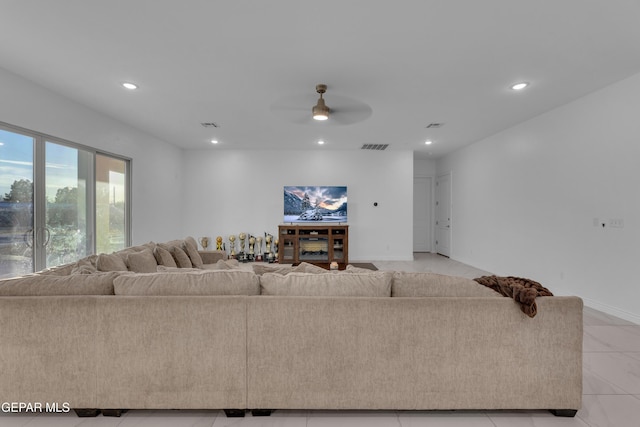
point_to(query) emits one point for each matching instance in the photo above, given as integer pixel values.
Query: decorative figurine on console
(219, 243)
(252, 243)
(232, 247)
(259, 253)
(204, 241)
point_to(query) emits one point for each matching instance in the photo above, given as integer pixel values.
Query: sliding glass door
(67, 234)
(59, 202)
(16, 204)
(111, 203)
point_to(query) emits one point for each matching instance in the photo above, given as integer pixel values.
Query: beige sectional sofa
(237, 339)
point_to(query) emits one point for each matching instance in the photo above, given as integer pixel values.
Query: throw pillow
(142, 262)
(181, 258)
(192, 241)
(86, 265)
(222, 264)
(164, 257)
(111, 262)
(192, 253)
(305, 267)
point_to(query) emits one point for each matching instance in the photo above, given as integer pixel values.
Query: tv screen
(315, 204)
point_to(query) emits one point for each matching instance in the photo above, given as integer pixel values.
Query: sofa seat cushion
(203, 282)
(48, 285)
(406, 284)
(330, 284)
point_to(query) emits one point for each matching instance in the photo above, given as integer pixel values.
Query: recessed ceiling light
(320, 142)
(428, 142)
(519, 86)
(130, 86)
(214, 141)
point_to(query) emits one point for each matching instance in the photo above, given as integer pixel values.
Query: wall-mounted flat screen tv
(315, 204)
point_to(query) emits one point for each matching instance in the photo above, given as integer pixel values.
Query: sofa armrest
(211, 257)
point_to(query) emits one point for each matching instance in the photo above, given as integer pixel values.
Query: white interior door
(443, 214)
(422, 214)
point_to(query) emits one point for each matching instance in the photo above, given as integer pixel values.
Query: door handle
(28, 238)
(48, 234)
(42, 236)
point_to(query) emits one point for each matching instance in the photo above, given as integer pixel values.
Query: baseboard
(375, 258)
(613, 311)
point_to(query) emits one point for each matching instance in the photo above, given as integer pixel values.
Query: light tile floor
(611, 387)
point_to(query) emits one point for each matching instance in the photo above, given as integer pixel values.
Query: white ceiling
(233, 62)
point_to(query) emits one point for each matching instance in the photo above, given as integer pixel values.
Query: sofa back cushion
(407, 284)
(203, 282)
(48, 285)
(330, 284)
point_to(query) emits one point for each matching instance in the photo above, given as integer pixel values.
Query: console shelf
(317, 244)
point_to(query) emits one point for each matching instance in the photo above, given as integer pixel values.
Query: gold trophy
(259, 254)
(252, 243)
(219, 243)
(268, 238)
(242, 257)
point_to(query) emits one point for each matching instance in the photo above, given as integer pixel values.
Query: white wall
(525, 201)
(424, 167)
(228, 192)
(156, 177)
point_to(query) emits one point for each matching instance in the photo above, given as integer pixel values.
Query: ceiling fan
(343, 111)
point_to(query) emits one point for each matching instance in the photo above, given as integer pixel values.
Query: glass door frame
(40, 233)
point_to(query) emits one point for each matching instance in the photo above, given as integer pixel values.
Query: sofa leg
(261, 412)
(113, 412)
(234, 413)
(87, 412)
(564, 412)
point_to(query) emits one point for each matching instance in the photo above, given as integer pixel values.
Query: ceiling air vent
(378, 147)
(210, 125)
(434, 125)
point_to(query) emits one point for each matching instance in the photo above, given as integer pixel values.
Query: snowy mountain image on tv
(315, 204)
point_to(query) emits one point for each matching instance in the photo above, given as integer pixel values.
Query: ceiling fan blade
(342, 110)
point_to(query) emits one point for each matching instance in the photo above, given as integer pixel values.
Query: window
(59, 201)
(111, 203)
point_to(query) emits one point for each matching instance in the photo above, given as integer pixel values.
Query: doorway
(422, 222)
(443, 214)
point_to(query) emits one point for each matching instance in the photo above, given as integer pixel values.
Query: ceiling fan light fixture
(320, 110)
